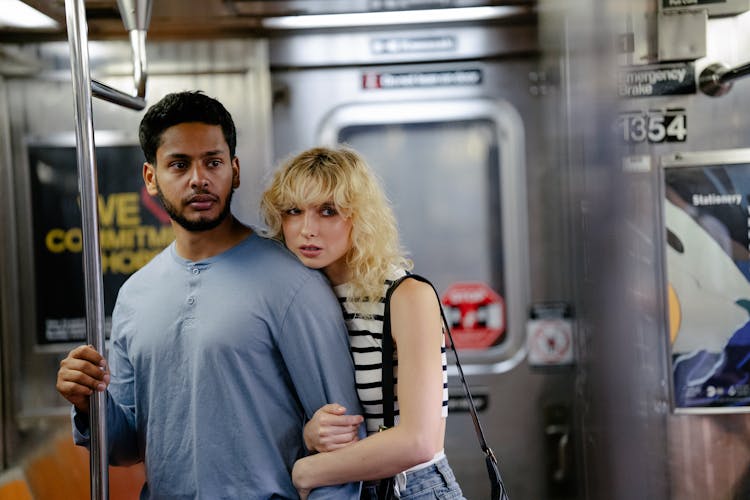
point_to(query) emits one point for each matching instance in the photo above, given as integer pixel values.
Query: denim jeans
(433, 482)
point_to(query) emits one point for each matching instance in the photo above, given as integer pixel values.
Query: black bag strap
(388, 417)
(388, 366)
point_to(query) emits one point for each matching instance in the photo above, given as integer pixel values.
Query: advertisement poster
(132, 229)
(707, 218)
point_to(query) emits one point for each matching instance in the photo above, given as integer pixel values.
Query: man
(223, 345)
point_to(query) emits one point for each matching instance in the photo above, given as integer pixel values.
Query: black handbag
(386, 486)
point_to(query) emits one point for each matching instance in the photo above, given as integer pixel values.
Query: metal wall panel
(636, 447)
(8, 301)
(706, 455)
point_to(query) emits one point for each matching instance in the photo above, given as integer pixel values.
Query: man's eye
(214, 163)
(178, 164)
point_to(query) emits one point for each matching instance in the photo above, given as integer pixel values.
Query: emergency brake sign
(476, 314)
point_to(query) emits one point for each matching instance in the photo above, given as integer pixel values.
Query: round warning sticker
(476, 314)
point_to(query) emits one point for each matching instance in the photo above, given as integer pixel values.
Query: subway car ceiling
(183, 19)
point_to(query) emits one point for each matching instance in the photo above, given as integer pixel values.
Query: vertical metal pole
(92, 265)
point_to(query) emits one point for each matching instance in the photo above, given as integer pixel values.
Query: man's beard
(198, 225)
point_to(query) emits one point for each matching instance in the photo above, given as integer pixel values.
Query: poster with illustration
(707, 219)
(133, 227)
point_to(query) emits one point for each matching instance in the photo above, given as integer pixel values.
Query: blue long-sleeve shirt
(216, 365)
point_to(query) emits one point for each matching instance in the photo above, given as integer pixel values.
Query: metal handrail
(136, 16)
(107, 93)
(716, 79)
(83, 89)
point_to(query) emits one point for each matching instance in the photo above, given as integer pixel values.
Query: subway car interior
(537, 154)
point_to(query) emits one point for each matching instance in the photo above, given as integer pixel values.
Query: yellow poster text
(60, 240)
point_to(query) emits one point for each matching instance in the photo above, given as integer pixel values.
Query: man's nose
(198, 177)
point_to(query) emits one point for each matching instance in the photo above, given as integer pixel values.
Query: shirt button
(196, 271)
(191, 300)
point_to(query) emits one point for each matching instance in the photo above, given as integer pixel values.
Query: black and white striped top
(365, 341)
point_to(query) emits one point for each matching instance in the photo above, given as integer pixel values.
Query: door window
(453, 171)
(443, 181)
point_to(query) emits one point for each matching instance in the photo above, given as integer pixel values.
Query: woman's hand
(331, 429)
(303, 491)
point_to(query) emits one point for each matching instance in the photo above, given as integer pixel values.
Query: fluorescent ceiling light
(16, 14)
(392, 17)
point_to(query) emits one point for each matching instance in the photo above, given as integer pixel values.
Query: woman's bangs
(310, 190)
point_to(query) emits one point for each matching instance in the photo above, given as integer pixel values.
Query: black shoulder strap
(388, 356)
(388, 365)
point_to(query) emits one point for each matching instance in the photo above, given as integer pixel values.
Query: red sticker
(476, 314)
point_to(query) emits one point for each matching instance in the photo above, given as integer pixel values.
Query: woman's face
(320, 236)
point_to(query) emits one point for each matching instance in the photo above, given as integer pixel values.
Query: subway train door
(454, 171)
(448, 118)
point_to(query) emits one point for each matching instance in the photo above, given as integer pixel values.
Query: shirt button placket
(195, 272)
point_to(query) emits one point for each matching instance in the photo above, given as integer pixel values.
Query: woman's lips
(310, 251)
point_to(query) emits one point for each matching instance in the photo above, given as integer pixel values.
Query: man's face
(194, 175)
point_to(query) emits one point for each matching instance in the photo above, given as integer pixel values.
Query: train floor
(60, 471)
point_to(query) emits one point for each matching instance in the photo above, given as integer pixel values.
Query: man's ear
(235, 172)
(149, 178)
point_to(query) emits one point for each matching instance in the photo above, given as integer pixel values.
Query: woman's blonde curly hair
(340, 175)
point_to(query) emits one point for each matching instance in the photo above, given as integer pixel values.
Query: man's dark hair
(183, 107)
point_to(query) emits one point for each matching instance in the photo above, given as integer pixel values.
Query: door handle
(561, 434)
(561, 466)
(716, 79)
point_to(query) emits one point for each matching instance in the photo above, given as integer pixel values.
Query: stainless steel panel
(8, 273)
(681, 35)
(390, 45)
(696, 456)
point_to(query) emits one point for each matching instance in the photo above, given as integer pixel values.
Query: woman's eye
(328, 211)
(293, 211)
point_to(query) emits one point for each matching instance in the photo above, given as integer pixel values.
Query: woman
(328, 208)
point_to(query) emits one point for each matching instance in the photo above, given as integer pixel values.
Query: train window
(443, 180)
(448, 172)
